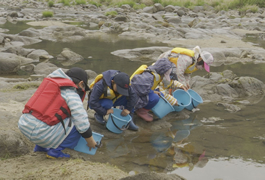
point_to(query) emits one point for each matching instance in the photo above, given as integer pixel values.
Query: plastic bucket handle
(123, 128)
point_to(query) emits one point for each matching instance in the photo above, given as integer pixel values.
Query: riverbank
(222, 32)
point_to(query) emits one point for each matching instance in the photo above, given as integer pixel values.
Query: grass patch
(250, 8)
(94, 3)
(25, 86)
(47, 14)
(65, 2)
(139, 6)
(79, 2)
(111, 13)
(129, 2)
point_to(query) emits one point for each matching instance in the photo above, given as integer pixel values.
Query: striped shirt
(47, 136)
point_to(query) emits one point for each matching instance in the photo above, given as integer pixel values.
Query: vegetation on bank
(137, 4)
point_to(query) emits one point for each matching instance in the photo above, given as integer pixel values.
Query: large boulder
(10, 63)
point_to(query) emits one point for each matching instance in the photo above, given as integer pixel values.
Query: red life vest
(47, 104)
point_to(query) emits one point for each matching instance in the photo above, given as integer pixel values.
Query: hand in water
(91, 143)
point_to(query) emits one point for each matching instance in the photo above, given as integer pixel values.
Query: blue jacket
(98, 90)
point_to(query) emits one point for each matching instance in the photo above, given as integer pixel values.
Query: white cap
(208, 59)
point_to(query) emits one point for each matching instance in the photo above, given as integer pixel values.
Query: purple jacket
(142, 83)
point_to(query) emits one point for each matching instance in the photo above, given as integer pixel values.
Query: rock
(149, 9)
(159, 7)
(38, 55)
(69, 57)
(11, 62)
(45, 68)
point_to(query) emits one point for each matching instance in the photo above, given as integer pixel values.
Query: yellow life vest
(192, 68)
(141, 69)
(109, 94)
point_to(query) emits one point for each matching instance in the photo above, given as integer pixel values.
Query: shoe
(99, 119)
(40, 149)
(143, 113)
(54, 154)
(132, 126)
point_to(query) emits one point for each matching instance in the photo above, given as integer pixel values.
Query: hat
(207, 59)
(122, 81)
(78, 74)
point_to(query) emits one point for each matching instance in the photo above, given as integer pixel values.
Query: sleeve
(79, 115)
(94, 104)
(176, 84)
(133, 98)
(183, 63)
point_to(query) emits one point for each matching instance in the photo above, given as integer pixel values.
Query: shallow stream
(231, 147)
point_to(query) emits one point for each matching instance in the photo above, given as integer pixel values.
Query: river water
(230, 148)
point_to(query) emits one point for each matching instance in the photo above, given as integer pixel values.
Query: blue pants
(71, 140)
(153, 99)
(108, 103)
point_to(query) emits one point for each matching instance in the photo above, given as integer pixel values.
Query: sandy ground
(37, 166)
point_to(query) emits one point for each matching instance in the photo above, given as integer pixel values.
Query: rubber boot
(132, 126)
(56, 153)
(99, 119)
(40, 149)
(143, 113)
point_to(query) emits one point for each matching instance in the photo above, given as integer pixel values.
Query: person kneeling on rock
(145, 81)
(110, 89)
(54, 118)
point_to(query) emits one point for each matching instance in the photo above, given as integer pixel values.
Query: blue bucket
(118, 123)
(183, 98)
(196, 99)
(162, 108)
(82, 144)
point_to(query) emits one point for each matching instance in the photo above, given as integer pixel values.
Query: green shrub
(50, 3)
(47, 14)
(78, 2)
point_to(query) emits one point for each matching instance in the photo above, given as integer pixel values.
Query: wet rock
(69, 57)
(150, 9)
(45, 68)
(30, 32)
(120, 18)
(169, 8)
(11, 62)
(39, 55)
(159, 7)
(142, 54)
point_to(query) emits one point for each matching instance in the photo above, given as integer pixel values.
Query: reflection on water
(97, 53)
(225, 169)
(190, 148)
